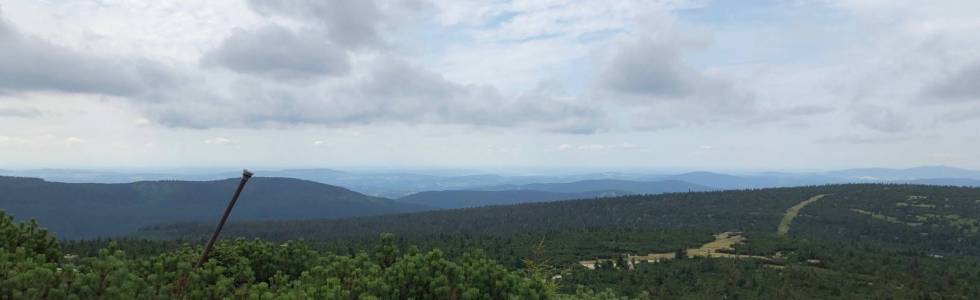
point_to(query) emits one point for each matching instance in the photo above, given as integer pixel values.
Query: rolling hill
(87, 210)
(930, 219)
(396, 184)
(751, 210)
(863, 241)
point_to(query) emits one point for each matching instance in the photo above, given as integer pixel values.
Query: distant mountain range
(87, 210)
(399, 184)
(882, 174)
(629, 186)
(752, 181)
(937, 175)
(848, 214)
(380, 184)
(466, 199)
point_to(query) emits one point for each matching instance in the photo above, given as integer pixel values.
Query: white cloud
(74, 141)
(218, 141)
(385, 90)
(14, 140)
(348, 132)
(881, 118)
(28, 63)
(916, 63)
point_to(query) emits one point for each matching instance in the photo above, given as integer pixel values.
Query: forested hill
(85, 210)
(941, 220)
(715, 211)
(547, 192)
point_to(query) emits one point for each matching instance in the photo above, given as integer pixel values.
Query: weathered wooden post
(178, 288)
(217, 231)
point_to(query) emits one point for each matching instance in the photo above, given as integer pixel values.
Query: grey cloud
(648, 67)
(347, 22)
(880, 118)
(398, 88)
(391, 91)
(648, 73)
(385, 89)
(960, 115)
(431, 97)
(394, 77)
(808, 110)
(957, 87)
(28, 63)
(280, 52)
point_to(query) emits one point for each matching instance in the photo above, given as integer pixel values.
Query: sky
(601, 85)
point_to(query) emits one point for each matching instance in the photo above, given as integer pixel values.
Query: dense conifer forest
(856, 242)
(33, 266)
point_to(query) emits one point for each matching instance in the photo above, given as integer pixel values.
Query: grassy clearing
(885, 218)
(792, 212)
(968, 225)
(919, 205)
(722, 247)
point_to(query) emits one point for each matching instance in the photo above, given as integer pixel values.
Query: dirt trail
(792, 212)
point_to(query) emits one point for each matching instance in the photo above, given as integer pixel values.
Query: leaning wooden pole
(177, 291)
(217, 231)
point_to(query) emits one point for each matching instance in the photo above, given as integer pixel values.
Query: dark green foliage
(749, 210)
(27, 236)
(31, 269)
(563, 248)
(810, 270)
(831, 251)
(944, 222)
(831, 218)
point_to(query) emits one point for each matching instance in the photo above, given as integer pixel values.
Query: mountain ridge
(87, 210)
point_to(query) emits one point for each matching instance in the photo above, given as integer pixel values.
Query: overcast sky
(605, 85)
